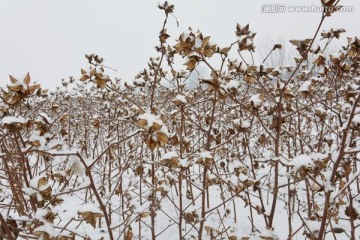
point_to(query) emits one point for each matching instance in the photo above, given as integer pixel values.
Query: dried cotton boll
(77, 167)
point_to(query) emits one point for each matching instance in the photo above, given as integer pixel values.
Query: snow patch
(301, 161)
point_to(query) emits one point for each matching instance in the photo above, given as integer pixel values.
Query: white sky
(49, 38)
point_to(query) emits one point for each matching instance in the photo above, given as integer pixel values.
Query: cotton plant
(249, 152)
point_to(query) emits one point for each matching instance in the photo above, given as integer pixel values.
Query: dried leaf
(46, 193)
(129, 234)
(163, 36)
(13, 80)
(84, 78)
(42, 234)
(347, 168)
(163, 138)
(144, 214)
(205, 41)
(42, 182)
(327, 3)
(151, 144)
(295, 42)
(266, 238)
(92, 72)
(225, 50)
(32, 88)
(338, 230)
(171, 163)
(35, 143)
(190, 65)
(190, 217)
(277, 46)
(27, 79)
(142, 123)
(351, 212)
(156, 127)
(91, 217)
(100, 82)
(15, 88)
(249, 78)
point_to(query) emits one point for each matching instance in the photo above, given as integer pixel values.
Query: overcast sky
(49, 38)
